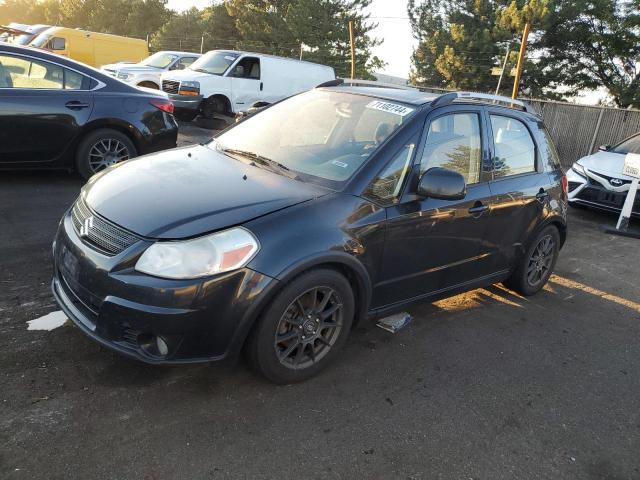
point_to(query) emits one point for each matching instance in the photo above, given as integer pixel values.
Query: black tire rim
(309, 328)
(539, 266)
(106, 152)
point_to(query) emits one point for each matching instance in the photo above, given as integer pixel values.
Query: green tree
(460, 41)
(591, 44)
(318, 27)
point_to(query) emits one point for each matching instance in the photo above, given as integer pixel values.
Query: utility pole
(201, 43)
(504, 65)
(353, 50)
(523, 49)
(301, 45)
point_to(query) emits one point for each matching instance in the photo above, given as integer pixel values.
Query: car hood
(186, 192)
(186, 74)
(607, 163)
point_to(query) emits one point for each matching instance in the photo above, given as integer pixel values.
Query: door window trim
(453, 110)
(99, 84)
(538, 161)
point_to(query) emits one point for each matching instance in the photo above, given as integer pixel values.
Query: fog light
(153, 345)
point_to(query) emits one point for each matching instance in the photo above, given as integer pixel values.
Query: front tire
(304, 327)
(101, 149)
(535, 267)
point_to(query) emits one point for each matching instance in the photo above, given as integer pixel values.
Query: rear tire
(304, 327)
(537, 264)
(102, 148)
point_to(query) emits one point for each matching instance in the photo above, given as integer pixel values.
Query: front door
(42, 108)
(433, 245)
(246, 83)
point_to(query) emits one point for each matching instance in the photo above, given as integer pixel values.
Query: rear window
(630, 145)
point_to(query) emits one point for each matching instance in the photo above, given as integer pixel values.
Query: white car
(228, 82)
(597, 180)
(147, 72)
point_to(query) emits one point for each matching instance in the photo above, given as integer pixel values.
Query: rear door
(520, 188)
(433, 245)
(42, 107)
(246, 83)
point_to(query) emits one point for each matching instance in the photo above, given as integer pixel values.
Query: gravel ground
(484, 385)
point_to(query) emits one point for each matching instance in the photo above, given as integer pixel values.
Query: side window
(17, 72)
(184, 62)
(550, 151)
(515, 150)
(387, 184)
(454, 142)
(248, 67)
(57, 43)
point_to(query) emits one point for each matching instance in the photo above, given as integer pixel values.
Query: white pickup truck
(228, 82)
(147, 72)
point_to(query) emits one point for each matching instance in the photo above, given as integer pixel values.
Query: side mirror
(604, 148)
(443, 184)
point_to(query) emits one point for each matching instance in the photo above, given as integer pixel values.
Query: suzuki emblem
(86, 226)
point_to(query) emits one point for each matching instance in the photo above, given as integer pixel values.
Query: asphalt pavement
(484, 385)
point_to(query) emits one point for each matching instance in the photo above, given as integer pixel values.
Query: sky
(393, 28)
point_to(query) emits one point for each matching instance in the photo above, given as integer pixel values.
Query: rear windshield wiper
(257, 159)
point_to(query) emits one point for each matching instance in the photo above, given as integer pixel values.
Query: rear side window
(454, 142)
(548, 148)
(515, 151)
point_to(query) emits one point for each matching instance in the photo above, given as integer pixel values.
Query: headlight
(579, 169)
(216, 253)
(125, 76)
(190, 84)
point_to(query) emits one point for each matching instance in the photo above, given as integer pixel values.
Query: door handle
(478, 209)
(76, 105)
(261, 86)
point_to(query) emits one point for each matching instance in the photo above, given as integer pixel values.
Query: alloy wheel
(106, 152)
(309, 328)
(540, 261)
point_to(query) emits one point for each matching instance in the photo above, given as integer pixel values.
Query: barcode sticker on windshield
(390, 108)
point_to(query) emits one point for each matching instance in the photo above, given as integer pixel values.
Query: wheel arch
(221, 96)
(344, 263)
(114, 124)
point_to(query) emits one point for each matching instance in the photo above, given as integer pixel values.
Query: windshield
(159, 60)
(630, 145)
(320, 136)
(214, 62)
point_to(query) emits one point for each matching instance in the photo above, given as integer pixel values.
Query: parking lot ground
(484, 385)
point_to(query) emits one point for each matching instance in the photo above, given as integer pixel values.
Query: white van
(228, 82)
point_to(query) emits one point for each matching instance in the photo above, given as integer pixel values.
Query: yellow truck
(92, 48)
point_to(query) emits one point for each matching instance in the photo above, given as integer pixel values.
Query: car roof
(176, 52)
(419, 97)
(410, 96)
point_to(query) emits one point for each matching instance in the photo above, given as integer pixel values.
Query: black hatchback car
(342, 203)
(58, 113)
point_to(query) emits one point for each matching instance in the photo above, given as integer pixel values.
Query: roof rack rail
(450, 97)
(364, 83)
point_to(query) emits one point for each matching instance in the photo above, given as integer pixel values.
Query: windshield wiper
(202, 70)
(257, 158)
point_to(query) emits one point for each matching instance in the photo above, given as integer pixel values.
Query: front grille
(98, 233)
(170, 86)
(83, 302)
(130, 336)
(608, 178)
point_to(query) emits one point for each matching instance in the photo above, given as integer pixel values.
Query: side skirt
(439, 294)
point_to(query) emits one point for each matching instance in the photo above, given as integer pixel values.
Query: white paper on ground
(49, 322)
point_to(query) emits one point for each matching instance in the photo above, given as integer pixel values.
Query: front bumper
(200, 320)
(593, 192)
(186, 102)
